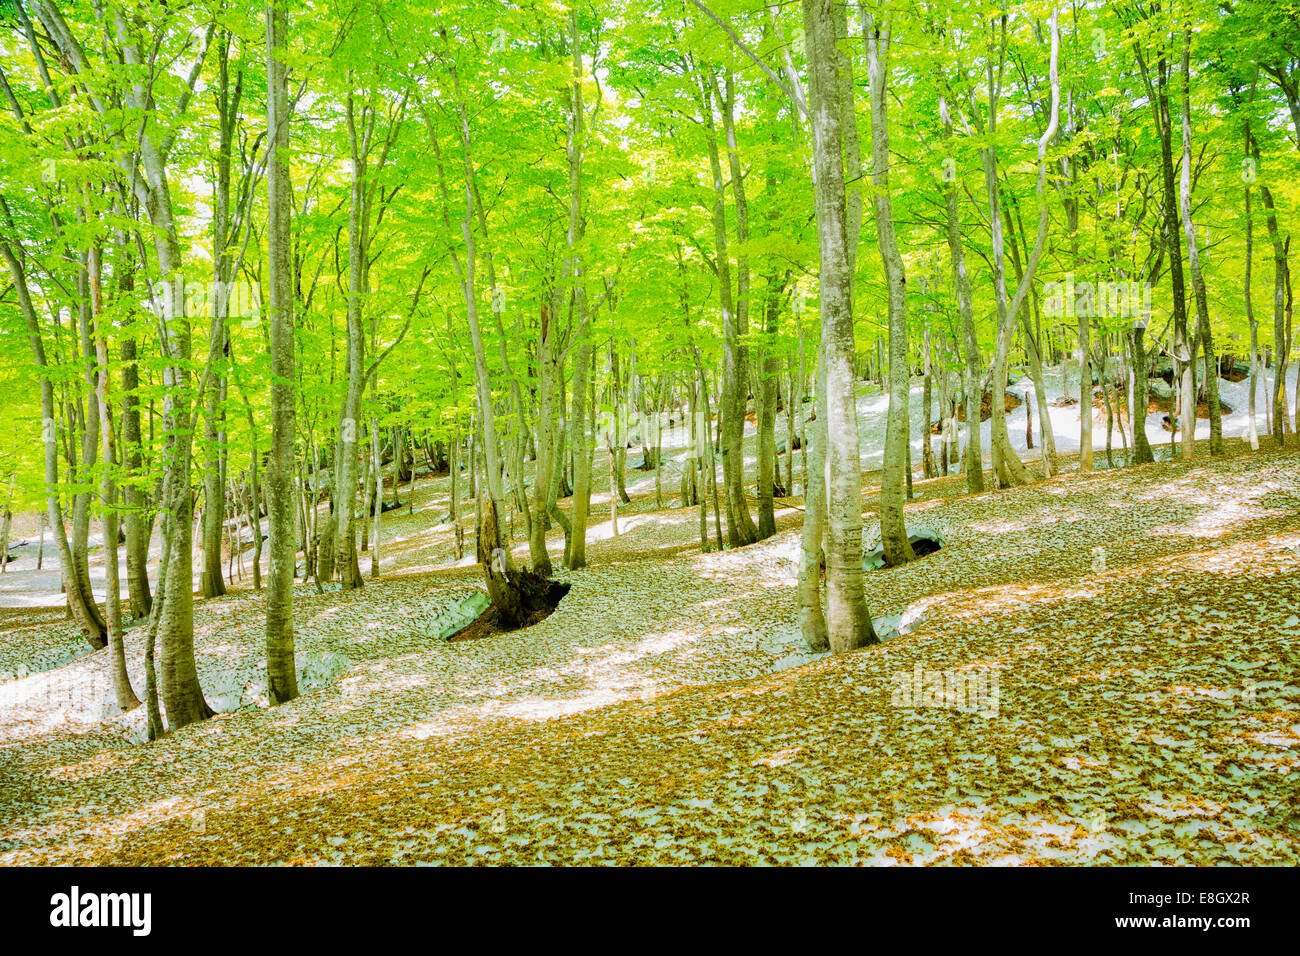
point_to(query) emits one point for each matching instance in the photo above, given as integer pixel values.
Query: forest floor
(1142, 624)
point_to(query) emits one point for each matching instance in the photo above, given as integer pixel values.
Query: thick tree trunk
(182, 697)
(1141, 446)
(281, 672)
(847, 619)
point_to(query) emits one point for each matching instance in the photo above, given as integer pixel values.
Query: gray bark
(281, 673)
(896, 472)
(847, 620)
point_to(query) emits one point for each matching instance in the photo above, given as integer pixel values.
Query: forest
(669, 431)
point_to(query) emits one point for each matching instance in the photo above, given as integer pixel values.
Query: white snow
(873, 407)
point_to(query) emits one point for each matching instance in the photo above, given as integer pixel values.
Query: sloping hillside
(1141, 625)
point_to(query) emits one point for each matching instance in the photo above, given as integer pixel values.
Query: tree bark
(1254, 327)
(972, 373)
(576, 552)
(847, 620)
(1203, 331)
(281, 671)
(896, 472)
(122, 689)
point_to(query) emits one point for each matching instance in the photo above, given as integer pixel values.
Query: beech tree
(572, 254)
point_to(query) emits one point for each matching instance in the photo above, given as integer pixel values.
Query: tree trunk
(972, 374)
(345, 492)
(137, 538)
(928, 469)
(1182, 346)
(1085, 396)
(847, 621)
(769, 370)
(122, 689)
(735, 382)
(576, 553)
(378, 470)
(281, 672)
(547, 372)
(1254, 327)
(1008, 468)
(895, 477)
(95, 634)
(1048, 439)
(1203, 331)
(1141, 446)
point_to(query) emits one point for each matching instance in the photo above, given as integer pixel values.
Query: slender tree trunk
(1182, 346)
(1085, 395)
(895, 478)
(377, 467)
(548, 373)
(7, 517)
(1254, 326)
(576, 554)
(1008, 468)
(367, 488)
(1048, 439)
(735, 383)
(95, 634)
(122, 689)
(792, 407)
(769, 370)
(137, 535)
(928, 469)
(79, 575)
(972, 374)
(1203, 331)
(345, 492)
(1280, 340)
